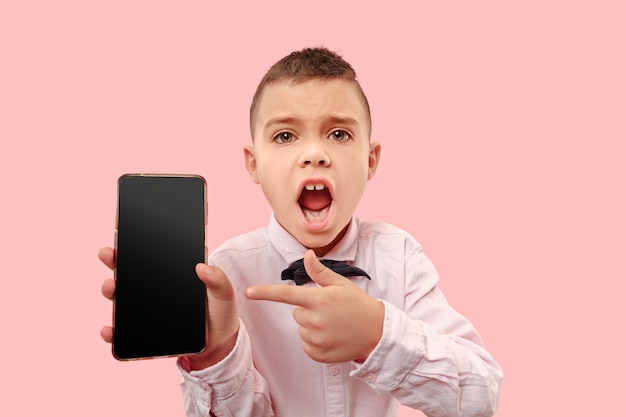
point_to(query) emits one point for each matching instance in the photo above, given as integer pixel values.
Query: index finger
(288, 294)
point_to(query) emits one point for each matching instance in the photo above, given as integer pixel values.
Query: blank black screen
(160, 304)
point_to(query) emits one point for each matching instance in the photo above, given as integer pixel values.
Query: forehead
(310, 100)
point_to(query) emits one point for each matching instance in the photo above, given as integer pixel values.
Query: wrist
(376, 332)
(209, 358)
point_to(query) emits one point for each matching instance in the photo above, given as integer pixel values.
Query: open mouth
(315, 201)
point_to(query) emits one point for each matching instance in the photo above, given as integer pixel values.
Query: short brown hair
(304, 65)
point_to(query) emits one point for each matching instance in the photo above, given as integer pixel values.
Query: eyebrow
(330, 119)
(279, 121)
(343, 120)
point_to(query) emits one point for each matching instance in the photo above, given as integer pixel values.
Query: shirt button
(334, 370)
(369, 377)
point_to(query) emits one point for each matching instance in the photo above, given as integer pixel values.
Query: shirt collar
(292, 250)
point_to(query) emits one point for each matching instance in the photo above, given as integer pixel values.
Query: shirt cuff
(394, 355)
(225, 377)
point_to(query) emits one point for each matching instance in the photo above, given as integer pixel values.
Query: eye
(340, 135)
(284, 137)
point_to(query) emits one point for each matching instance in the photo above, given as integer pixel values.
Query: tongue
(315, 200)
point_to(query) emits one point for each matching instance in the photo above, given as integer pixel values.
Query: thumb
(216, 281)
(321, 274)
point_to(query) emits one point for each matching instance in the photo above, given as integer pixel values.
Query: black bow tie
(296, 271)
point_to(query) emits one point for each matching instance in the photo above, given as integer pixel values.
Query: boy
(330, 346)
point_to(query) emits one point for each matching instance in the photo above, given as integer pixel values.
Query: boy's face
(312, 157)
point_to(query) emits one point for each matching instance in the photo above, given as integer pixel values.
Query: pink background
(503, 128)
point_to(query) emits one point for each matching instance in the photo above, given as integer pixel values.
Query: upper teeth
(317, 187)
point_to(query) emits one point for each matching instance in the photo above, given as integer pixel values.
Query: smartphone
(160, 304)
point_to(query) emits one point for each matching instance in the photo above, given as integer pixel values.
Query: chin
(321, 242)
(322, 238)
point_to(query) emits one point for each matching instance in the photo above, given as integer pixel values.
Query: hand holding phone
(222, 319)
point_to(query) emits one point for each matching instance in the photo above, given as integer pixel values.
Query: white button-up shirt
(429, 357)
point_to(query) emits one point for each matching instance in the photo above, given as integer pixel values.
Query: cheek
(356, 192)
(274, 187)
(356, 174)
(351, 194)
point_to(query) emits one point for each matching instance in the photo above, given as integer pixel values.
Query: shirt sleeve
(430, 357)
(231, 387)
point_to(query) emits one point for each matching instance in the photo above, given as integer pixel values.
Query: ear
(250, 161)
(374, 157)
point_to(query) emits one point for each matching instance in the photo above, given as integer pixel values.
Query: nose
(314, 154)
